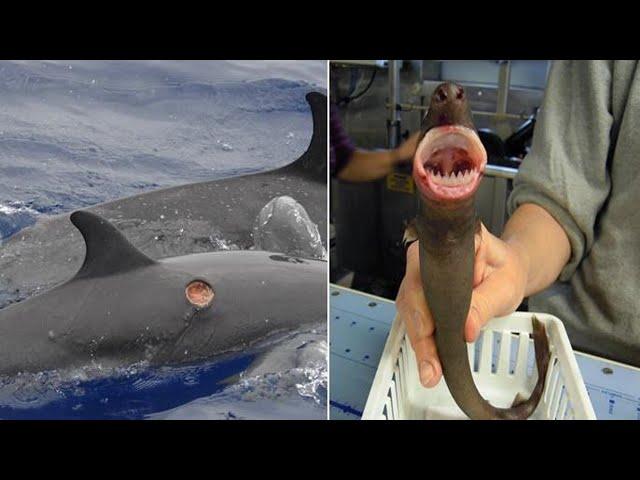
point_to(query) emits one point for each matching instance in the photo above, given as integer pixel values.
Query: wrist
(393, 157)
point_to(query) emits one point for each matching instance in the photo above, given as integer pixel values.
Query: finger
(479, 265)
(479, 261)
(494, 297)
(492, 250)
(419, 325)
(490, 254)
(412, 309)
(420, 332)
(429, 368)
(477, 239)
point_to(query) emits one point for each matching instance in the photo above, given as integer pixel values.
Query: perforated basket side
(505, 364)
(505, 360)
(557, 404)
(384, 395)
(565, 396)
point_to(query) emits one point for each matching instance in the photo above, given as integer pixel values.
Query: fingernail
(426, 372)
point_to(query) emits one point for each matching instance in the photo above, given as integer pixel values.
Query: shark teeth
(454, 179)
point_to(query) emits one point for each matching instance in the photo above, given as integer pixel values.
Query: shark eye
(199, 294)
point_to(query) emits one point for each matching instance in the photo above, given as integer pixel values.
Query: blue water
(225, 388)
(132, 394)
(74, 134)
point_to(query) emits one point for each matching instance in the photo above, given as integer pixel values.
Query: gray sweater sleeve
(566, 171)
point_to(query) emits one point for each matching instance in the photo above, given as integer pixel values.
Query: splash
(283, 225)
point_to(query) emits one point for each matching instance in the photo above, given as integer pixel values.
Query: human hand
(499, 281)
(406, 151)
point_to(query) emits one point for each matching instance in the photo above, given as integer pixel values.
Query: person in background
(572, 242)
(353, 164)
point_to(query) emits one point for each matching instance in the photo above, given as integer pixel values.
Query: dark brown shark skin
(446, 250)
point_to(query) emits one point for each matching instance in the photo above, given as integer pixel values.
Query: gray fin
(107, 250)
(313, 162)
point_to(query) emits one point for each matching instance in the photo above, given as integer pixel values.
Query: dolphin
(201, 217)
(123, 307)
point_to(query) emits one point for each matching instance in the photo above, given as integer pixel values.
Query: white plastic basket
(503, 363)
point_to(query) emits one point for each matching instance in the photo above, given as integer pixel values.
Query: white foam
(12, 209)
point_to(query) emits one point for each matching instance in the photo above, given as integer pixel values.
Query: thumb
(492, 298)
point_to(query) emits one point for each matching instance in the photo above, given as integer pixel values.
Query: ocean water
(78, 133)
(73, 134)
(281, 378)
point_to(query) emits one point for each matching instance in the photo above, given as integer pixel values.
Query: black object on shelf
(493, 144)
(517, 143)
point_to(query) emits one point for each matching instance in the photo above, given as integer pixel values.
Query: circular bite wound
(199, 294)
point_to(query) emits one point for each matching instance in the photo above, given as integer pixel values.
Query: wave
(289, 368)
(74, 134)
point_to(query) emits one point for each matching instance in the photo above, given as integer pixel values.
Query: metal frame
(393, 123)
(503, 87)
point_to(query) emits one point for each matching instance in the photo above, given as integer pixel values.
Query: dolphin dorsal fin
(313, 162)
(107, 250)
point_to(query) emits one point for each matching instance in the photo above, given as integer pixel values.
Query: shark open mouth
(449, 163)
